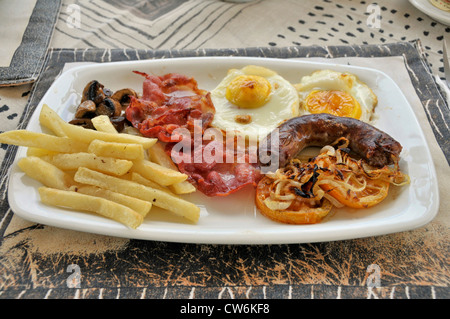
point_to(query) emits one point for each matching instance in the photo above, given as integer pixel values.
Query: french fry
(182, 188)
(157, 173)
(40, 152)
(127, 151)
(87, 136)
(102, 123)
(51, 120)
(139, 206)
(165, 175)
(157, 197)
(138, 178)
(100, 163)
(101, 171)
(98, 205)
(42, 140)
(158, 155)
(46, 173)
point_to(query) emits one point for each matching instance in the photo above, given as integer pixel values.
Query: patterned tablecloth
(37, 261)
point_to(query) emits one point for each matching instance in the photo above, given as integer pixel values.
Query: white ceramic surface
(234, 219)
(433, 12)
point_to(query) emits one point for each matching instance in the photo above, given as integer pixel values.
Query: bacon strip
(219, 177)
(172, 102)
(169, 102)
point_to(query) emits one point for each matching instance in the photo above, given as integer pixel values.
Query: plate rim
(435, 13)
(249, 236)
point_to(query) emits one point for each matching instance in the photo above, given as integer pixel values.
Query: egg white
(283, 104)
(332, 80)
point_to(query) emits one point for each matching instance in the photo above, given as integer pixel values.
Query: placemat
(38, 261)
(30, 55)
(197, 24)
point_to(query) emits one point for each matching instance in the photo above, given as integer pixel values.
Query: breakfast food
(305, 192)
(178, 113)
(169, 103)
(273, 202)
(376, 146)
(253, 101)
(125, 152)
(96, 100)
(332, 92)
(98, 171)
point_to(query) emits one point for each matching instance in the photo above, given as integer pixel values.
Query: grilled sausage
(375, 146)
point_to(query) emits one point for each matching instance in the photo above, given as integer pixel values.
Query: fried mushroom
(93, 91)
(109, 107)
(123, 96)
(83, 122)
(86, 109)
(98, 100)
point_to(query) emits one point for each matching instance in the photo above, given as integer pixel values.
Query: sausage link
(375, 146)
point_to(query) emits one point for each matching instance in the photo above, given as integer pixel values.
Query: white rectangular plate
(234, 219)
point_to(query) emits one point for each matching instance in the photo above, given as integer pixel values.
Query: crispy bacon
(174, 101)
(169, 102)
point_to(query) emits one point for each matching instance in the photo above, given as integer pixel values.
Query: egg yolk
(248, 91)
(334, 102)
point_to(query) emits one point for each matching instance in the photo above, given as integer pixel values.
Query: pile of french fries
(115, 175)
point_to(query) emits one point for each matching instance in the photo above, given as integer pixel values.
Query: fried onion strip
(335, 176)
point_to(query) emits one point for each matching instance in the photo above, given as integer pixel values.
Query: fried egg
(253, 101)
(341, 94)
